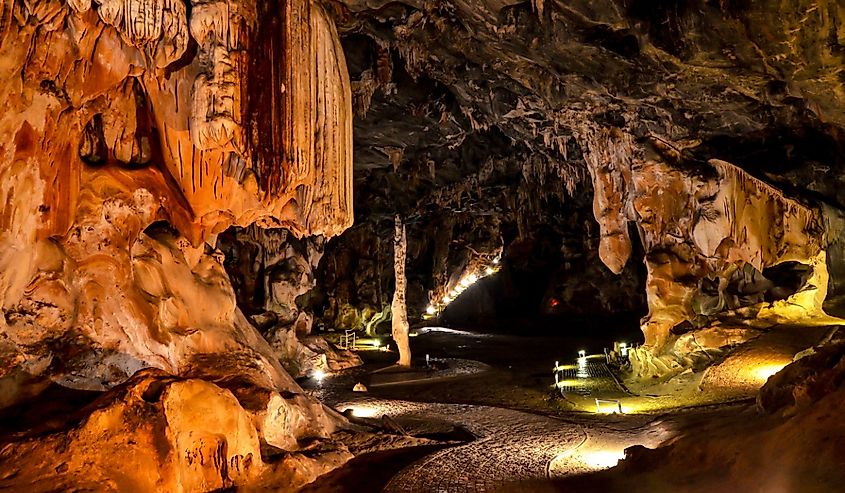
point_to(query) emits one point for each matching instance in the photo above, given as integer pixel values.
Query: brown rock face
(136, 112)
(720, 224)
(711, 234)
(160, 433)
(133, 133)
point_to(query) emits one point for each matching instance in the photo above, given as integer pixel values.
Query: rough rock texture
(181, 435)
(133, 133)
(273, 274)
(745, 452)
(618, 96)
(96, 153)
(800, 385)
(399, 322)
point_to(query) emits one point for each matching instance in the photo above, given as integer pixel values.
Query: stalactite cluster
(134, 133)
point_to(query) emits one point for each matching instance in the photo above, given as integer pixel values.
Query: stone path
(510, 446)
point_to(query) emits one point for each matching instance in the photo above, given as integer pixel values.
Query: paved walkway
(510, 446)
(589, 377)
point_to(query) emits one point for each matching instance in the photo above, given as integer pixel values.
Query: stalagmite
(400, 315)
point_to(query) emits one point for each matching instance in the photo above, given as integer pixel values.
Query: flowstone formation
(725, 252)
(133, 134)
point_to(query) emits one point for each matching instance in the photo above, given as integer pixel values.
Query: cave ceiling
(446, 90)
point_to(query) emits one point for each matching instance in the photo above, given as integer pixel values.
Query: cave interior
(422, 245)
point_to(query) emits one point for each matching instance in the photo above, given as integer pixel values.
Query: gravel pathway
(510, 446)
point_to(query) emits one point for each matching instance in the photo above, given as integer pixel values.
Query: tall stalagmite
(398, 307)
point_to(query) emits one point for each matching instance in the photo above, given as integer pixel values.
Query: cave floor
(522, 430)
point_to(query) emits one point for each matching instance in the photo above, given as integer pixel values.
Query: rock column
(400, 315)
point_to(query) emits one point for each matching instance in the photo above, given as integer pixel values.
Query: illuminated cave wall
(134, 133)
(123, 114)
(724, 251)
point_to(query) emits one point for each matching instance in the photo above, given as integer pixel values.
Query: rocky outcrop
(134, 132)
(181, 435)
(814, 374)
(274, 276)
(707, 223)
(720, 246)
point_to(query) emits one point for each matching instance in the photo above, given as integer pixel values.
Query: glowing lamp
(582, 354)
(608, 406)
(362, 411)
(489, 271)
(319, 375)
(472, 278)
(495, 261)
(431, 310)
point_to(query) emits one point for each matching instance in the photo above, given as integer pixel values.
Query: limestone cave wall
(133, 134)
(637, 101)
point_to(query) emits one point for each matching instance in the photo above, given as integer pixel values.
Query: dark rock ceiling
(443, 86)
(471, 116)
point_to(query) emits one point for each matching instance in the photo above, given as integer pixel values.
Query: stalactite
(398, 308)
(362, 93)
(128, 151)
(538, 7)
(609, 156)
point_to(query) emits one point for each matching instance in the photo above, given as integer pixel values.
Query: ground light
(363, 411)
(764, 371)
(319, 375)
(608, 406)
(602, 459)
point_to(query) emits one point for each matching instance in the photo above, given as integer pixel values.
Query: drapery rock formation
(709, 233)
(133, 134)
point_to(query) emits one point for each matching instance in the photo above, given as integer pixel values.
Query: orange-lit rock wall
(121, 114)
(132, 133)
(698, 221)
